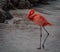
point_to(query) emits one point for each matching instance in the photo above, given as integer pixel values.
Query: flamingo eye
(32, 12)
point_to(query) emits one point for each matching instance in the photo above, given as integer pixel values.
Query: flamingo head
(31, 13)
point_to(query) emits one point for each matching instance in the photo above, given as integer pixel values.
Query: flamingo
(40, 21)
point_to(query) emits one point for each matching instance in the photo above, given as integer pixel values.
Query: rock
(24, 4)
(43, 1)
(33, 1)
(15, 2)
(8, 6)
(2, 16)
(8, 15)
(21, 4)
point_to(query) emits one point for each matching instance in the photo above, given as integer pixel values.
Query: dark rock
(24, 4)
(8, 15)
(15, 2)
(43, 1)
(33, 1)
(2, 16)
(5, 15)
(21, 4)
(8, 6)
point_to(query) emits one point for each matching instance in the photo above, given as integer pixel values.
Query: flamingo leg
(45, 38)
(40, 37)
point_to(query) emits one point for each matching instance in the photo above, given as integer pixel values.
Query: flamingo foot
(43, 46)
(39, 48)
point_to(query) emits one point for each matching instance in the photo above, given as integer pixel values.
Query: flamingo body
(38, 19)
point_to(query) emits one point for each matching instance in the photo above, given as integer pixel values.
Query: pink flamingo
(40, 21)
